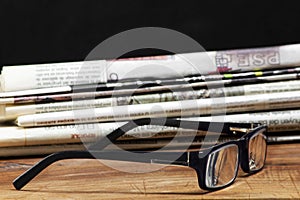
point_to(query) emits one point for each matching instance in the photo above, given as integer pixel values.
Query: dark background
(44, 31)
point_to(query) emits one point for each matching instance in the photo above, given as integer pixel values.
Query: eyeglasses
(216, 166)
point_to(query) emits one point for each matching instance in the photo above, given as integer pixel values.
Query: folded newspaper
(170, 66)
(44, 113)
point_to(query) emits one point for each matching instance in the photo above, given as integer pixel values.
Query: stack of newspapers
(47, 108)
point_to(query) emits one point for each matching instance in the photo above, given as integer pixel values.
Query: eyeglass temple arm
(227, 128)
(174, 158)
(32, 172)
(145, 157)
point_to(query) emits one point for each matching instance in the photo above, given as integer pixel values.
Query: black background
(44, 31)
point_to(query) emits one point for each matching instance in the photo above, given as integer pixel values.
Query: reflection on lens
(257, 152)
(222, 166)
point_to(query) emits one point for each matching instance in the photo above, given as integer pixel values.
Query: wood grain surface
(91, 179)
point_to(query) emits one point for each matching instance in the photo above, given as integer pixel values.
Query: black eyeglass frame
(193, 159)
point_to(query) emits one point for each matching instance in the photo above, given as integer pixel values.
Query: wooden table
(90, 179)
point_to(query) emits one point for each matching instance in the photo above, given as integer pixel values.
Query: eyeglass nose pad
(250, 160)
(244, 159)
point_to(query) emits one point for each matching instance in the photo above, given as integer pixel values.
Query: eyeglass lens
(257, 152)
(222, 166)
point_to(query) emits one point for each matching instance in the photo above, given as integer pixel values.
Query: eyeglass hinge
(236, 129)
